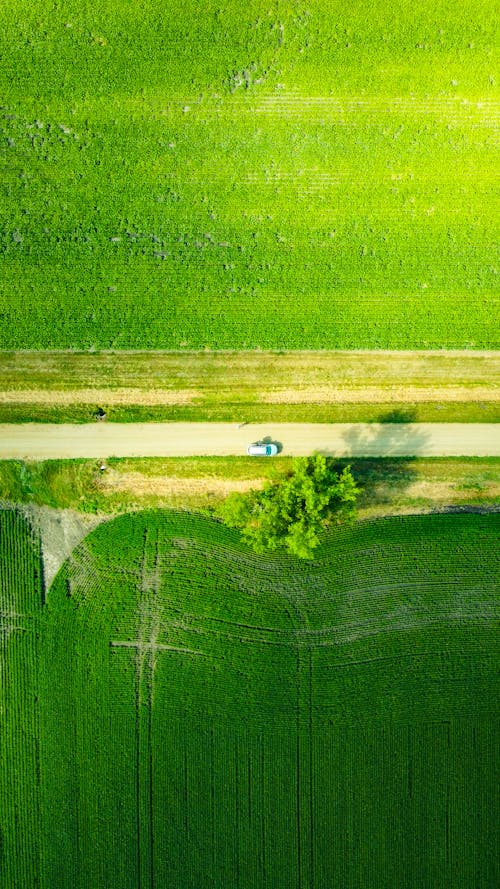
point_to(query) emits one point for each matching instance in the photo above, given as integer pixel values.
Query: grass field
(389, 486)
(318, 387)
(209, 718)
(275, 175)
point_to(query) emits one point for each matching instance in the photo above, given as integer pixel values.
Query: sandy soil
(169, 489)
(168, 486)
(380, 395)
(386, 394)
(34, 441)
(60, 531)
(121, 396)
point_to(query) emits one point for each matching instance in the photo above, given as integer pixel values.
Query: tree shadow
(398, 415)
(382, 456)
(393, 435)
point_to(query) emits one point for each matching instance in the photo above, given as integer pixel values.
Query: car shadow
(268, 440)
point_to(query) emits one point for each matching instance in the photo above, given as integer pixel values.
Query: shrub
(291, 511)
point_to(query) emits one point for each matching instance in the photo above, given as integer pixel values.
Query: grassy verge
(401, 412)
(326, 386)
(390, 485)
(255, 370)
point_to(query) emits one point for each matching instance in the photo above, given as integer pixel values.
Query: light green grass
(322, 725)
(275, 176)
(253, 386)
(245, 374)
(251, 412)
(388, 486)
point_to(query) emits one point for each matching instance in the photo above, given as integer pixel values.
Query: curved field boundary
(160, 767)
(264, 755)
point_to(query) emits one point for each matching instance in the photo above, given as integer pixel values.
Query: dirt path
(33, 441)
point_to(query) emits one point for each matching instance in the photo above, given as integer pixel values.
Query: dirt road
(33, 441)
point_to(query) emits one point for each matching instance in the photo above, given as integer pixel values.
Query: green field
(183, 713)
(278, 174)
(21, 599)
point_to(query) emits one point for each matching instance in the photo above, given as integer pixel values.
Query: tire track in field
(454, 110)
(304, 769)
(147, 646)
(145, 661)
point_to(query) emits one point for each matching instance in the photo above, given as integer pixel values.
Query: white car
(262, 449)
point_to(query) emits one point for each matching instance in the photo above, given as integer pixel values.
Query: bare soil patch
(381, 395)
(61, 530)
(123, 396)
(140, 485)
(444, 492)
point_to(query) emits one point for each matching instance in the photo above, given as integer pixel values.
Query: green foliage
(387, 484)
(268, 175)
(61, 484)
(292, 511)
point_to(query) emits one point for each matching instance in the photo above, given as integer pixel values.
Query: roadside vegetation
(388, 485)
(258, 386)
(270, 175)
(252, 412)
(292, 511)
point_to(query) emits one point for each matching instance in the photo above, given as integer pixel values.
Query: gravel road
(40, 441)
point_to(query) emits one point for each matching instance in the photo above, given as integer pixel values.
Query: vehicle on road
(262, 449)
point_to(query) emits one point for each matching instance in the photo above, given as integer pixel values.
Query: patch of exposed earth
(61, 530)
(381, 395)
(120, 396)
(319, 394)
(431, 493)
(167, 486)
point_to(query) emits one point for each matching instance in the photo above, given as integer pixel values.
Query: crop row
(284, 762)
(20, 604)
(223, 641)
(153, 175)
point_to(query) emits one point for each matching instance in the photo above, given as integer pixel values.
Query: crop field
(278, 174)
(203, 717)
(21, 598)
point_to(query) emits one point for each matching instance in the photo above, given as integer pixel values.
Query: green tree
(290, 512)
